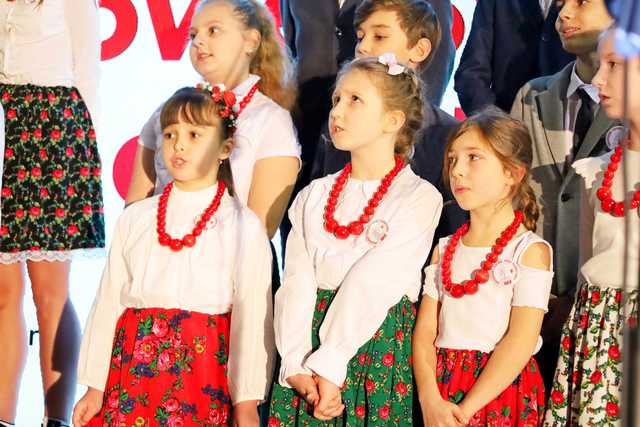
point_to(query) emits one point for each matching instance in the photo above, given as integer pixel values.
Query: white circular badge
(505, 272)
(377, 231)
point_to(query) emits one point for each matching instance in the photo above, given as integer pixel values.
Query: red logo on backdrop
(123, 166)
(457, 28)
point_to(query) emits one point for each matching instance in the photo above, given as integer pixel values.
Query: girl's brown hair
(196, 107)
(510, 141)
(399, 92)
(271, 61)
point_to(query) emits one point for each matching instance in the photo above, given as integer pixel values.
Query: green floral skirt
(378, 390)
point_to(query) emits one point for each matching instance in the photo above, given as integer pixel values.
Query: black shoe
(52, 422)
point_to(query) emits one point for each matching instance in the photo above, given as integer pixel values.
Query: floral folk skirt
(168, 368)
(521, 404)
(378, 390)
(587, 383)
(51, 196)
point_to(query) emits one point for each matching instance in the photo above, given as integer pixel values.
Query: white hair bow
(389, 59)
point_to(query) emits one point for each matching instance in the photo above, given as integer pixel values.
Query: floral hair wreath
(225, 101)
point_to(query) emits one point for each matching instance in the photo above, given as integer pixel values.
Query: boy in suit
(566, 124)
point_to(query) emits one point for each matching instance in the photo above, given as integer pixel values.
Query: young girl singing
(181, 327)
(587, 384)
(360, 237)
(487, 289)
(235, 43)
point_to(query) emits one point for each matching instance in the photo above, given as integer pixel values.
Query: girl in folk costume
(586, 388)
(51, 196)
(235, 43)
(487, 288)
(345, 313)
(184, 298)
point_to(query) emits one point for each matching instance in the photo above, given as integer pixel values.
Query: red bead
(609, 174)
(492, 257)
(470, 287)
(502, 241)
(603, 193)
(356, 228)
(341, 232)
(164, 239)
(486, 265)
(607, 183)
(497, 250)
(634, 204)
(189, 240)
(342, 179)
(448, 255)
(607, 205)
(616, 157)
(364, 218)
(618, 209)
(636, 196)
(330, 209)
(334, 193)
(374, 203)
(369, 210)
(377, 197)
(457, 291)
(332, 201)
(175, 245)
(481, 276)
(330, 225)
(613, 166)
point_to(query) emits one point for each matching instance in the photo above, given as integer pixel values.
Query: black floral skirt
(51, 197)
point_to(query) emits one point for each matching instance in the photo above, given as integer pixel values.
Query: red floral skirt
(168, 368)
(521, 404)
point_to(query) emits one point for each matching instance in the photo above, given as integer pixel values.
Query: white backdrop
(143, 64)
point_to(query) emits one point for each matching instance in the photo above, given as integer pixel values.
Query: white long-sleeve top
(370, 277)
(602, 235)
(229, 266)
(264, 130)
(56, 43)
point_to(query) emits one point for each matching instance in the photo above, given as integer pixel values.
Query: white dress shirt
(370, 275)
(229, 266)
(573, 105)
(53, 44)
(603, 236)
(264, 130)
(480, 321)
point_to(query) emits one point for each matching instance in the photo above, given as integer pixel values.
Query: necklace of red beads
(188, 240)
(607, 203)
(481, 275)
(356, 227)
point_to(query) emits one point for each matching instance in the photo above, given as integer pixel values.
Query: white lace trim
(51, 256)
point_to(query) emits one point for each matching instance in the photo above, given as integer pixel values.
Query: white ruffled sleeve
(251, 350)
(295, 300)
(97, 340)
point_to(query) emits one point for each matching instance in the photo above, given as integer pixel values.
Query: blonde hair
(271, 61)
(195, 106)
(401, 92)
(510, 141)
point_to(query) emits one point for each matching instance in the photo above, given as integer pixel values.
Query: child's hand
(330, 404)
(443, 413)
(306, 387)
(87, 407)
(245, 414)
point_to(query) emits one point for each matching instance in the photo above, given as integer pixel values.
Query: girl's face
(358, 117)
(192, 153)
(221, 46)
(476, 175)
(580, 23)
(610, 81)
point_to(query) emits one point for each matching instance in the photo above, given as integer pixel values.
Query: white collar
(576, 83)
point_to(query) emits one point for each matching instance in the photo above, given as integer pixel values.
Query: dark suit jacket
(427, 162)
(540, 104)
(509, 44)
(321, 36)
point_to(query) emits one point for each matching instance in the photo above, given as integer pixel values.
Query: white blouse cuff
(430, 287)
(329, 363)
(91, 382)
(289, 367)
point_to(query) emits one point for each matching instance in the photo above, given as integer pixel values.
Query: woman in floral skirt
(181, 331)
(587, 385)
(51, 197)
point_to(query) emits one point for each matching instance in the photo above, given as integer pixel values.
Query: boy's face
(381, 33)
(580, 23)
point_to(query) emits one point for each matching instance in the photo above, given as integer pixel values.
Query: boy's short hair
(417, 19)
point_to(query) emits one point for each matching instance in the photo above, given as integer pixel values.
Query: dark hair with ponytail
(195, 106)
(510, 141)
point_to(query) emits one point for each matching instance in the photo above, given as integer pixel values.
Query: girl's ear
(394, 120)
(515, 174)
(225, 150)
(252, 39)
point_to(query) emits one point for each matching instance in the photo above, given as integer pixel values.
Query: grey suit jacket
(540, 104)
